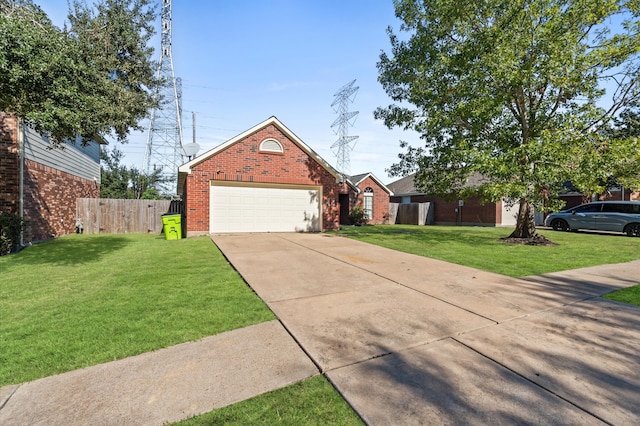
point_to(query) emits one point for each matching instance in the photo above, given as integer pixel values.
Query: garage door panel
(264, 209)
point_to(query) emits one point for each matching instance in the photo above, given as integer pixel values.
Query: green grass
(81, 300)
(310, 402)
(629, 295)
(85, 299)
(480, 247)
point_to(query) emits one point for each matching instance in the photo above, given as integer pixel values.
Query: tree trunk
(525, 224)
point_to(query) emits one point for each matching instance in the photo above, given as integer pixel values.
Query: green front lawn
(310, 402)
(629, 295)
(85, 299)
(480, 247)
(81, 300)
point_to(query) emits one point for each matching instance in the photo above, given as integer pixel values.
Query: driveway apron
(411, 340)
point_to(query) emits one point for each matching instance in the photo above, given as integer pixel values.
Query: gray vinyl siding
(75, 159)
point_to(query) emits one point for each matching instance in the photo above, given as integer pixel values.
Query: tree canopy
(519, 91)
(122, 182)
(92, 78)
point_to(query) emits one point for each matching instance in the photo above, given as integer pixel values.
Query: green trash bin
(172, 226)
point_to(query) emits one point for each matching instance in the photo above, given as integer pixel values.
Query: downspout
(20, 129)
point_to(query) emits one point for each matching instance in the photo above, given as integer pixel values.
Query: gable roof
(357, 179)
(186, 168)
(407, 185)
(404, 186)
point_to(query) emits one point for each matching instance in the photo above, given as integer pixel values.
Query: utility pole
(191, 149)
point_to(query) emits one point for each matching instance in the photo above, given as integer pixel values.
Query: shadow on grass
(71, 250)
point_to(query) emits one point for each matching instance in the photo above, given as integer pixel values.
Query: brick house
(458, 212)
(573, 197)
(265, 179)
(41, 184)
(373, 196)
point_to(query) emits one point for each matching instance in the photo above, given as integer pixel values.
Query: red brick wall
(577, 199)
(472, 213)
(49, 194)
(9, 164)
(242, 162)
(50, 200)
(380, 201)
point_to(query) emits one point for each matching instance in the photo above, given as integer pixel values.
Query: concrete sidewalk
(405, 339)
(412, 340)
(164, 386)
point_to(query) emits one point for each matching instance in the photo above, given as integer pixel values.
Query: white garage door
(264, 209)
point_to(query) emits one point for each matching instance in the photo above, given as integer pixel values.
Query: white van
(615, 216)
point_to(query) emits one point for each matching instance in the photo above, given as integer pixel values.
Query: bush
(357, 216)
(5, 244)
(11, 226)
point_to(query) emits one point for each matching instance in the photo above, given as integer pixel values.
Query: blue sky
(244, 61)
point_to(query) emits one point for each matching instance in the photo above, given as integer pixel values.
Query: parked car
(616, 216)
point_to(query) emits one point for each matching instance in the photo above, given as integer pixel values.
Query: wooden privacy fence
(110, 216)
(411, 214)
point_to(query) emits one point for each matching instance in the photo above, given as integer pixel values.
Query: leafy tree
(513, 90)
(624, 157)
(122, 182)
(628, 123)
(145, 186)
(114, 177)
(92, 79)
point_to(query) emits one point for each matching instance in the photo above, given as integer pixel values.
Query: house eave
(186, 168)
(376, 180)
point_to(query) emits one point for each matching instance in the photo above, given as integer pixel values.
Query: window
(621, 208)
(613, 208)
(588, 208)
(368, 203)
(271, 145)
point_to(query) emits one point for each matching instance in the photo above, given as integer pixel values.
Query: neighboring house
(573, 197)
(459, 212)
(373, 196)
(267, 179)
(40, 183)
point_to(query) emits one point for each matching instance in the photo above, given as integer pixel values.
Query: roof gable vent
(271, 145)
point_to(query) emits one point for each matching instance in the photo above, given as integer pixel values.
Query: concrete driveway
(412, 340)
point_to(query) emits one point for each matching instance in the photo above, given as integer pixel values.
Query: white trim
(376, 180)
(187, 167)
(276, 146)
(368, 199)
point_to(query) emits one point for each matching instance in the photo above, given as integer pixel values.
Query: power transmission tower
(164, 141)
(341, 148)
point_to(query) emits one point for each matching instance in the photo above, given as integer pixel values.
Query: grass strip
(481, 248)
(629, 295)
(310, 402)
(82, 300)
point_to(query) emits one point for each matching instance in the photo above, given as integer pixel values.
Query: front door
(343, 199)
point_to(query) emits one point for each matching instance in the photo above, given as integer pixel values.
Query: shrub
(357, 216)
(11, 226)
(5, 244)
